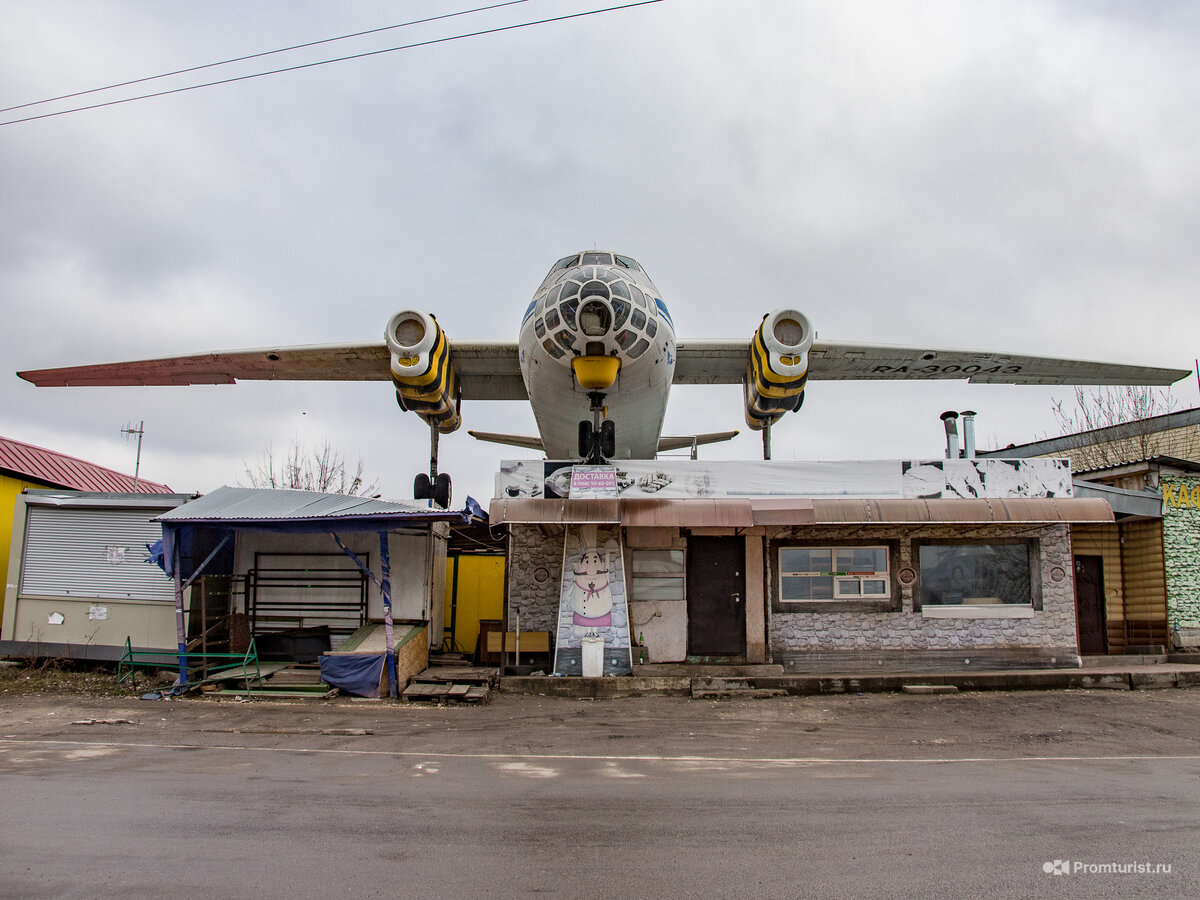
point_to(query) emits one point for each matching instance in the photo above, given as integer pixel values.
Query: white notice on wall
(115, 555)
(55, 618)
(97, 613)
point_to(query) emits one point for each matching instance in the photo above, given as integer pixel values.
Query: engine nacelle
(778, 367)
(422, 370)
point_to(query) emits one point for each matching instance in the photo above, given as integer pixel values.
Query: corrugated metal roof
(735, 513)
(55, 469)
(233, 504)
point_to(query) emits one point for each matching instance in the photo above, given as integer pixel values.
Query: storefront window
(657, 575)
(975, 574)
(833, 573)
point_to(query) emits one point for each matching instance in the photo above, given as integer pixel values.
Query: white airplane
(596, 357)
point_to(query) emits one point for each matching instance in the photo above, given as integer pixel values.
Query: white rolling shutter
(99, 552)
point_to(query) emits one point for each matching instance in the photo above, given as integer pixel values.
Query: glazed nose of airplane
(595, 318)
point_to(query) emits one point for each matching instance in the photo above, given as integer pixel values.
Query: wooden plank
(531, 642)
(416, 690)
(458, 690)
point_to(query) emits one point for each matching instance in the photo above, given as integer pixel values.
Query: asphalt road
(874, 796)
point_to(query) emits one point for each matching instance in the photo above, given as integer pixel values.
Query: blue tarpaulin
(355, 673)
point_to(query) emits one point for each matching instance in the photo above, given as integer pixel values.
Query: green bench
(204, 665)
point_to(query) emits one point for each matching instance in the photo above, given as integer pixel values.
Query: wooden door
(1089, 604)
(716, 596)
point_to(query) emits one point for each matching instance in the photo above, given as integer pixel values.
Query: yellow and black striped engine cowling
(422, 369)
(778, 367)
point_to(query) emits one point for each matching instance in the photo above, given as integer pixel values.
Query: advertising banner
(873, 479)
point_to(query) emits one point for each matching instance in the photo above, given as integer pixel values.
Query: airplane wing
(529, 442)
(687, 441)
(724, 362)
(485, 370)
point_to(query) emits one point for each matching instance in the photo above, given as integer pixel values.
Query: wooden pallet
(447, 692)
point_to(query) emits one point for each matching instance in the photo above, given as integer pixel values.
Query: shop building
(815, 567)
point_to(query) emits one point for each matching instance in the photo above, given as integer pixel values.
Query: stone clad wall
(1181, 538)
(1051, 628)
(529, 551)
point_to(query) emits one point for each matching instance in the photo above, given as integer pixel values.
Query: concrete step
(684, 670)
(1123, 660)
(728, 688)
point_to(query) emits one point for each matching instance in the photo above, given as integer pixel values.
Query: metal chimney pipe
(950, 420)
(968, 424)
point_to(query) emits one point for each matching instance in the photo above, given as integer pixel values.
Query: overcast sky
(1015, 176)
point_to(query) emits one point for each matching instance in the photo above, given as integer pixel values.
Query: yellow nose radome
(596, 373)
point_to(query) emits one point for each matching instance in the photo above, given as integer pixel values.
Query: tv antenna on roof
(129, 431)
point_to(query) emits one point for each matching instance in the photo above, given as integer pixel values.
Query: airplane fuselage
(598, 304)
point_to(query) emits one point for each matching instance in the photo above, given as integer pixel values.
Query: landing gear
(436, 485)
(438, 489)
(597, 438)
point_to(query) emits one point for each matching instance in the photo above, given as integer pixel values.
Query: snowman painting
(590, 592)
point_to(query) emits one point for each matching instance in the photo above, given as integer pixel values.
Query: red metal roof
(59, 470)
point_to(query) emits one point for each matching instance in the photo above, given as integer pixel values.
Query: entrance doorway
(716, 596)
(1089, 604)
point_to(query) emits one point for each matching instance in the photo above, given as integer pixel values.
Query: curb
(762, 687)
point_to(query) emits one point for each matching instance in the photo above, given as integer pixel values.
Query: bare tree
(320, 469)
(1113, 425)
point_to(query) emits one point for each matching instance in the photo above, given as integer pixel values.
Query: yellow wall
(10, 489)
(480, 596)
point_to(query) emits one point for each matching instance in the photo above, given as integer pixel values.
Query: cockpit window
(639, 319)
(627, 263)
(651, 328)
(626, 338)
(639, 348)
(619, 289)
(570, 289)
(637, 296)
(565, 263)
(565, 338)
(553, 349)
(552, 319)
(539, 328)
(597, 259)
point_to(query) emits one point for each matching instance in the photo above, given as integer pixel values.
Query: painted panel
(479, 595)
(592, 602)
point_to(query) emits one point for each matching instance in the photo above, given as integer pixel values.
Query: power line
(326, 62)
(237, 59)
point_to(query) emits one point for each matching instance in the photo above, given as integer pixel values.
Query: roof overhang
(745, 513)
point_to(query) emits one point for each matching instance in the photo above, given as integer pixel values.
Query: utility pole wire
(237, 59)
(326, 62)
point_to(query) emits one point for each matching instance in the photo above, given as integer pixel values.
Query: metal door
(716, 592)
(1089, 604)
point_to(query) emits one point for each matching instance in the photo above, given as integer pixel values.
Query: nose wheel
(597, 438)
(436, 489)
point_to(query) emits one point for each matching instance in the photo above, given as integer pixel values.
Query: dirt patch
(61, 678)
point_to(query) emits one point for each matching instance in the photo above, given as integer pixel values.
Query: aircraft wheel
(608, 439)
(441, 490)
(422, 487)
